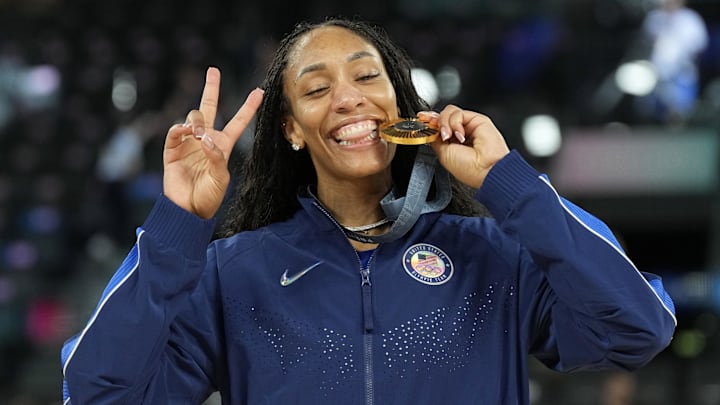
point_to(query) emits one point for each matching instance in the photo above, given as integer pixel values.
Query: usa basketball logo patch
(427, 264)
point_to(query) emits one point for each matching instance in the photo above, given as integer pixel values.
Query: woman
(301, 304)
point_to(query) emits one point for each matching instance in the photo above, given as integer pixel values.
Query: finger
(448, 121)
(196, 121)
(429, 117)
(457, 125)
(177, 134)
(213, 153)
(217, 159)
(240, 121)
(210, 95)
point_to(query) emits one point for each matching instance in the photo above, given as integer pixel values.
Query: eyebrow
(320, 66)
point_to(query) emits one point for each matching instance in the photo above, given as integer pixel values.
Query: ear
(292, 132)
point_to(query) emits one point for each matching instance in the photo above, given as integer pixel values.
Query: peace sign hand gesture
(195, 157)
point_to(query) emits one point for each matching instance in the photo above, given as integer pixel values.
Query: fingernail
(444, 133)
(186, 124)
(199, 132)
(460, 136)
(207, 140)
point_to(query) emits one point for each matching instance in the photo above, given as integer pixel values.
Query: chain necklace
(365, 228)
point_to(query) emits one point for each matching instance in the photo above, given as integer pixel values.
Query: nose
(346, 97)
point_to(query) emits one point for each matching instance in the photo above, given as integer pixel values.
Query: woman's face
(339, 92)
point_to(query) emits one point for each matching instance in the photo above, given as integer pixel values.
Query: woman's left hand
(469, 144)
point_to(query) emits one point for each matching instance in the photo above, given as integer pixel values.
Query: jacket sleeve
(583, 304)
(135, 349)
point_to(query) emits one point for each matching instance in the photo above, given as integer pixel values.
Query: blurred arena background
(88, 90)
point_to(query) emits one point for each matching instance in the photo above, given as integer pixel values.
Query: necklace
(365, 228)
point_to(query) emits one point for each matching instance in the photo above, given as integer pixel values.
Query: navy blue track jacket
(447, 314)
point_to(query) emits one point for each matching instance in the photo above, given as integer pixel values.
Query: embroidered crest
(427, 264)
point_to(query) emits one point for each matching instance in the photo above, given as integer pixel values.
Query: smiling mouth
(357, 133)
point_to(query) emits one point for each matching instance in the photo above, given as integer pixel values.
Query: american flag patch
(427, 264)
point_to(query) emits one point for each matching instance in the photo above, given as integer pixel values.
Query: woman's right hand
(469, 145)
(195, 158)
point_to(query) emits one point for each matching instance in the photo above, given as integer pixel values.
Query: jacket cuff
(179, 229)
(510, 177)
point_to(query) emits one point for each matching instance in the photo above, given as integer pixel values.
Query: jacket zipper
(368, 333)
(368, 324)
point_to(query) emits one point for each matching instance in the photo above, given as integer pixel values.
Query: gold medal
(408, 131)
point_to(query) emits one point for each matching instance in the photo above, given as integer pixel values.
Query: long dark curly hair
(270, 178)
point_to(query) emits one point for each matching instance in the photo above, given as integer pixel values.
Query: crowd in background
(88, 90)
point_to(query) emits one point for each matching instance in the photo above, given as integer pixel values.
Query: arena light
(637, 78)
(39, 85)
(449, 83)
(541, 135)
(425, 85)
(124, 91)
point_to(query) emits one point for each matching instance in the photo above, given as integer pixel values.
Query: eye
(315, 91)
(369, 76)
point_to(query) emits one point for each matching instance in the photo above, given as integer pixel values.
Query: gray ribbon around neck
(405, 211)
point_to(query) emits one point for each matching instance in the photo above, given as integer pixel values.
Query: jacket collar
(319, 215)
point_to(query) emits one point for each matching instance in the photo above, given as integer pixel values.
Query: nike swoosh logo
(286, 280)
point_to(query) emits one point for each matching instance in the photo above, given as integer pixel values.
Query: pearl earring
(295, 147)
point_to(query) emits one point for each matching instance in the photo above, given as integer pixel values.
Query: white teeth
(355, 129)
(370, 137)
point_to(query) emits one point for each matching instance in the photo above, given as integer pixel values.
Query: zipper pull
(365, 274)
(367, 300)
